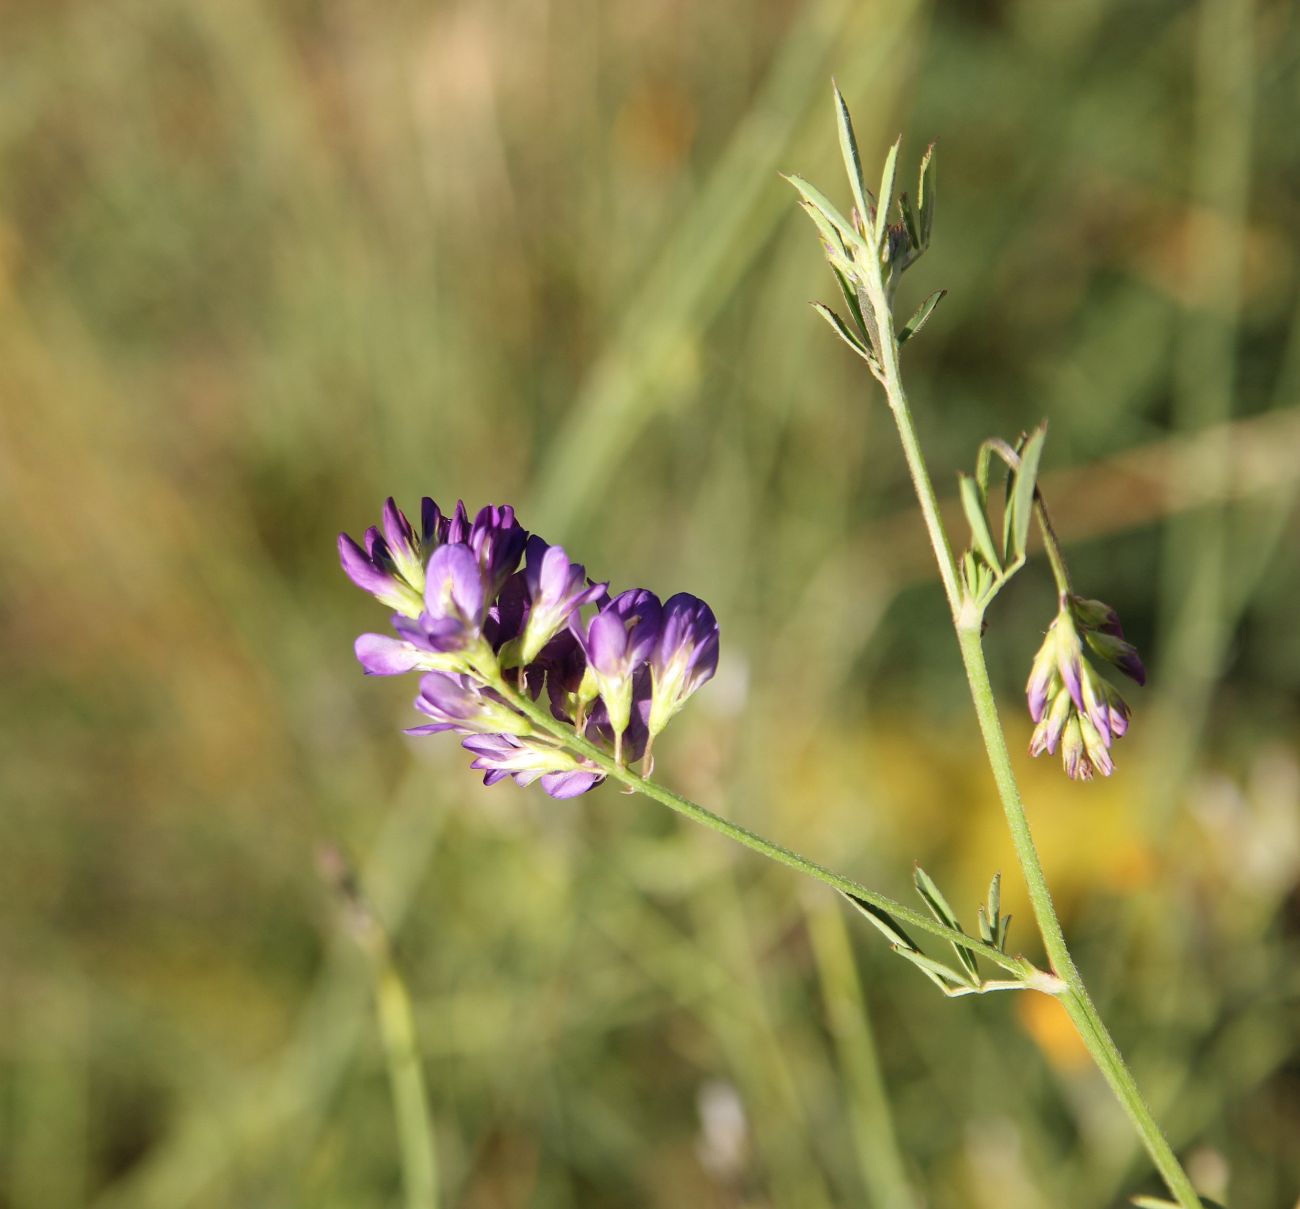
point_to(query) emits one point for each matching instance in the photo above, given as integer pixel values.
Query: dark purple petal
(497, 540)
(1120, 653)
(376, 548)
(433, 526)
(383, 656)
(457, 525)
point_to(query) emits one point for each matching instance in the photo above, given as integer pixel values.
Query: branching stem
(969, 624)
(544, 720)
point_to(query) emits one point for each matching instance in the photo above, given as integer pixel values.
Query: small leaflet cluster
(965, 978)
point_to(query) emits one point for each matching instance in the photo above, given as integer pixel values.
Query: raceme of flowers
(482, 630)
(1074, 708)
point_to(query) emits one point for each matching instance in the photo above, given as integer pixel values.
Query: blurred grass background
(262, 264)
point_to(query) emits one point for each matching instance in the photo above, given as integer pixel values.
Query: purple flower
(685, 656)
(557, 589)
(617, 641)
(1047, 734)
(457, 703)
(1118, 652)
(455, 599)
(391, 565)
(490, 637)
(501, 756)
(497, 541)
(380, 655)
(1070, 702)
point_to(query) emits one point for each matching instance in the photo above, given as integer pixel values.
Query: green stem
(969, 623)
(1087, 1021)
(543, 720)
(1060, 572)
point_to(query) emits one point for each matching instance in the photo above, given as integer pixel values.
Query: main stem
(969, 624)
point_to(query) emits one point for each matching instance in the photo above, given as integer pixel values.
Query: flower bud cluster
(1073, 707)
(476, 624)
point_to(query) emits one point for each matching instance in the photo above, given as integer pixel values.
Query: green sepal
(977, 578)
(818, 201)
(939, 908)
(841, 329)
(1020, 498)
(920, 317)
(886, 193)
(978, 520)
(852, 160)
(925, 196)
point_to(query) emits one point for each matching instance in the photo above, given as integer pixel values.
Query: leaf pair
(991, 561)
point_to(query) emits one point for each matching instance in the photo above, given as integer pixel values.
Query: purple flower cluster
(1073, 707)
(482, 630)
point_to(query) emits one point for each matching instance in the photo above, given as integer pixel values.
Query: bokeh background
(262, 264)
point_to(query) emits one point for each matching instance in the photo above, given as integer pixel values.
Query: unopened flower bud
(1122, 654)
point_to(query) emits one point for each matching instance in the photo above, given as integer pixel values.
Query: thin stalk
(1060, 572)
(543, 720)
(969, 624)
(406, 1080)
(891, 379)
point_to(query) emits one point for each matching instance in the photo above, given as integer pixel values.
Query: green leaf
(942, 975)
(886, 192)
(925, 195)
(921, 317)
(815, 198)
(852, 160)
(1002, 932)
(831, 238)
(885, 922)
(995, 899)
(939, 908)
(909, 222)
(842, 330)
(987, 934)
(978, 521)
(851, 301)
(1020, 507)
